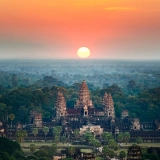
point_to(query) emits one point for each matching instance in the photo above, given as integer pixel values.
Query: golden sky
(57, 28)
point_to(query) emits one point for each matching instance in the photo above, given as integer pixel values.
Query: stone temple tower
(108, 105)
(60, 105)
(84, 97)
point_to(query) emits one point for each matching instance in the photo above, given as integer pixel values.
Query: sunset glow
(55, 29)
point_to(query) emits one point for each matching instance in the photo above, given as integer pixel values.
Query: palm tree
(45, 131)
(11, 117)
(76, 133)
(139, 140)
(32, 147)
(56, 139)
(63, 139)
(35, 132)
(120, 137)
(21, 134)
(126, 137)
(71, 151)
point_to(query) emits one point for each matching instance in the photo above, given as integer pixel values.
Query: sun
(83, 52)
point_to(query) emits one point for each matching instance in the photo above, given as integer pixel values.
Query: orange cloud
(120, 8)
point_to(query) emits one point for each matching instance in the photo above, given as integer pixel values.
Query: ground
(25, 147)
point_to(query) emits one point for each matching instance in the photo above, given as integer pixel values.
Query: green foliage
(63, 139)
(54, 148)
(71, 151)
(4, 156)
(32, 147)
(20, 100)
(107, 152)
(122, 155)
(57, 131)
(95, 143)
(48, 150)
(3, 109)
(120, 137)
(76, 133)
(150, 156)
(35, 131)
(32, 157)
(9, 146)
(21, 134)
(88, 136)
(113, 144)
(139, 140)
(42, 153)
(11, 117)
(45, 130)
(126, 137)
(19, 155)
(107, 136)
(56, 139)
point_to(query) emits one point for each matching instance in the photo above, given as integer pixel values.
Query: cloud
(120, 8)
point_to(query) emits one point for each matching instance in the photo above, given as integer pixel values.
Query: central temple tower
(84, 97)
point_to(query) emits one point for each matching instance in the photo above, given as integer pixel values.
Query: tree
(112, 144)
(14, 80)
(126, 137)
(42, 153)
(3, 110)
(35, 132)
(139, 140)
(120, 137)
(45, 131)
(122, 155)
(107, 136)
(19, 155)
(57, 131)
(32, 147)
(107, 152)
(76, 133)
(63, 139)
(95, 143)
(21, 134)
(56, 139)
(71, 151)
(88, 136)
(22, 114)
(11, 117)
(54, 147)
(9, 146)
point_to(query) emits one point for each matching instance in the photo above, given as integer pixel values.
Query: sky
(56, 29)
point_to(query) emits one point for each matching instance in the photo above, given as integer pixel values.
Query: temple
(84, 106)
(84, 116)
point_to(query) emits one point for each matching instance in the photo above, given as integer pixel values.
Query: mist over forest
(27, 85)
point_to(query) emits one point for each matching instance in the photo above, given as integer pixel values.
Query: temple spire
(108, 105)
(84, 97)
(60, 105)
